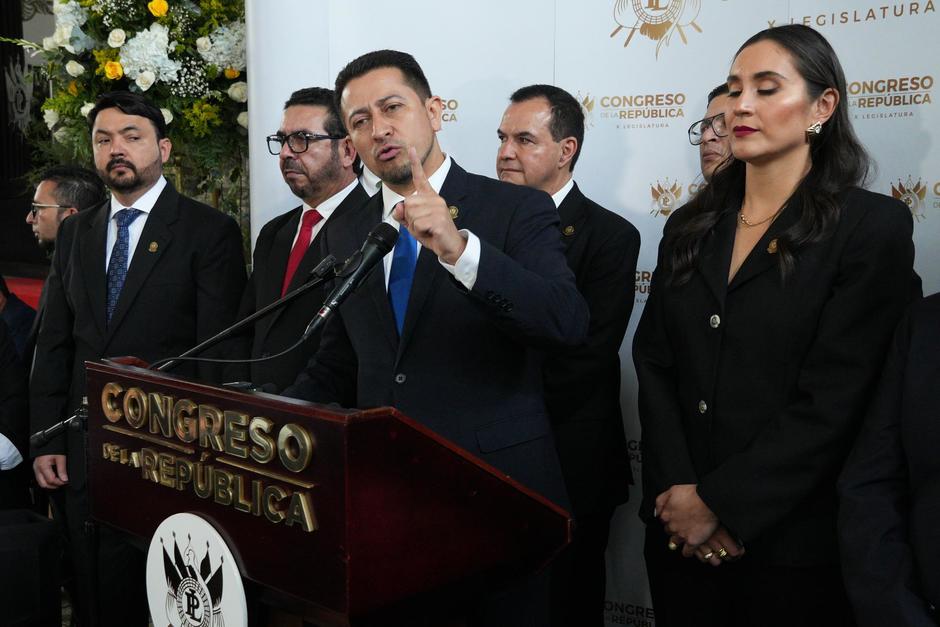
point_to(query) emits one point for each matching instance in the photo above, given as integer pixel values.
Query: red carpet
(27, 289)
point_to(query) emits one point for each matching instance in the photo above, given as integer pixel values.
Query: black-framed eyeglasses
(36, 207)
(298, 142)
(716, 123)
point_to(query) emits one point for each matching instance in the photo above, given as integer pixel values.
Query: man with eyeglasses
(711, 135)
(316, 159)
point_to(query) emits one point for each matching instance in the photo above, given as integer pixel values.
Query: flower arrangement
(187, 56)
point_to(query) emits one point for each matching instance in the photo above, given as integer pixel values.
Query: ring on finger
(672, 546)
(708, 555)
(723, 553)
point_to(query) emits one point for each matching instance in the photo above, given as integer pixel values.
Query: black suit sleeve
(330, 375)
(806, 443)
(14, 420)
(55, 349)
(874, 490)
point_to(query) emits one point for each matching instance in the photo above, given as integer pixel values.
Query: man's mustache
(116, 162)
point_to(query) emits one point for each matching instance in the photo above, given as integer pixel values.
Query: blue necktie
(117, 265)
(402, 274)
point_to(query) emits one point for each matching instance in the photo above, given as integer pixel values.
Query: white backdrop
(636, 158)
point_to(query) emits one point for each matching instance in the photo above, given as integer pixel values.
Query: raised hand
(427, 218)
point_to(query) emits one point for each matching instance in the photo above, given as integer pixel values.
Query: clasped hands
(693, 526)
(427, 218)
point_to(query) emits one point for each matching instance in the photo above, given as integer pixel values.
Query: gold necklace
(744, 221)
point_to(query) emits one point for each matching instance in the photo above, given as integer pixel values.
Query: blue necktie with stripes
(117, 265)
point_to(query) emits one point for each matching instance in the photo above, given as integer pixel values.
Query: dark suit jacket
(889, 513)
(281, 329)
(183, 286)
(14, 421)
(582, 385)
(465, 364)
(754, 390)
(19, 319)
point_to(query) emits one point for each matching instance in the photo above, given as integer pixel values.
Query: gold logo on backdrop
(658, 20)
(665, 197)
(911, 194)
(587, 107)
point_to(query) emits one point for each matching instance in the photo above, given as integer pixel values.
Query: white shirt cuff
(9, 455)
(465, 270)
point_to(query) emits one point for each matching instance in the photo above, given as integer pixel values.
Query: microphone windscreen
(384, 236)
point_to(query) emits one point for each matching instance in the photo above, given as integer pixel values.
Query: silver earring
(813, 131)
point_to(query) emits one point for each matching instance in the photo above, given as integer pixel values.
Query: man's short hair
(320, 97)
(75, 186)
(718, 91)
(567, 115)
(132, 104)
(378, 59)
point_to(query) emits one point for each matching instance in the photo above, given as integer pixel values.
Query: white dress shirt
(326, 209)
(145, 203)
(465, 270)
(10, 456)
(561, 194)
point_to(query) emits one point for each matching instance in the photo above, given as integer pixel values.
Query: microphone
(379, 242)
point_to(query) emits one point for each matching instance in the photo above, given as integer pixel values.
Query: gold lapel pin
(153, 247)
(569, 230)
(772, 246)
(454, 212)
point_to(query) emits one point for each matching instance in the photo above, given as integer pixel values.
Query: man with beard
(316, 159)
(148, 273)
(450, 330)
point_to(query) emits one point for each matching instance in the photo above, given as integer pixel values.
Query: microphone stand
(320, 275)
(78, 420)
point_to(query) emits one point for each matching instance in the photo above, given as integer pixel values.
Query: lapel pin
(569, 230)
(153, 247)
(454, 212)
(772, 246)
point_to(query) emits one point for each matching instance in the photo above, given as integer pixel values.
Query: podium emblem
(192, 578)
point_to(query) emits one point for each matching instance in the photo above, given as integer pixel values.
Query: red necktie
(309, 220)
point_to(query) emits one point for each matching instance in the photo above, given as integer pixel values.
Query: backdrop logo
(641, 286)
(449, 113)
(890, 97)
(629, 614)
(873, 13)
(913, 195)
(587, 107)
(657, 20)
(665, 197)
(641, 110)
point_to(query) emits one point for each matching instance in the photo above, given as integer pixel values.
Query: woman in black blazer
(775, 295)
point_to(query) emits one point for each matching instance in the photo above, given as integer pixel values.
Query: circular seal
(667, 14)
(192, 576)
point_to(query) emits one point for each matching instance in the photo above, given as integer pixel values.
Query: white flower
(50, 117)
(74, 68)
(117, 37)
(242, 119)
(62, 35)
(226, 47)
(61, 135)
(167, 115)
(238, 91)
(86, 109)
(147, 52)
(145, 80)
(203, 45)
(49, 44)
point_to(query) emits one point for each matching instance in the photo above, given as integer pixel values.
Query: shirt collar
(145, 203)
(559, 196)
(328, 206)
(390, 198)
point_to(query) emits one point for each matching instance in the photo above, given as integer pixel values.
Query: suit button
(400, 378)
(714, 321)
(702, 407)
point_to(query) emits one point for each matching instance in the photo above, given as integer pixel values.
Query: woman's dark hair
(838, 162)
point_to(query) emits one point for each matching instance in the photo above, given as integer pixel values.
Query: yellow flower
(231, 73)
(73, 88)
(113, 69)
(158, 7)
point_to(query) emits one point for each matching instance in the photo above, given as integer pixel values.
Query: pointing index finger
(418, 177)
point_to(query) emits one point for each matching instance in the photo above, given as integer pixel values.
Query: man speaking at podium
(448, 331)
(148, 273)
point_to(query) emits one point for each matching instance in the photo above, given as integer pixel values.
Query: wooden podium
(338, 513)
